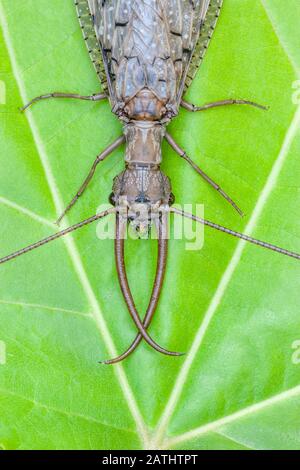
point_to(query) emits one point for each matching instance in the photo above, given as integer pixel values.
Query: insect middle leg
(87, 180)
(96, 97)
(217, 104)
(212, 183)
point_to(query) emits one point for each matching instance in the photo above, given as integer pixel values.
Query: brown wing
(156, 44)
(134, 39)
(185, 18)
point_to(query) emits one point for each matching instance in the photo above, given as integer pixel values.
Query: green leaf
(233, 308)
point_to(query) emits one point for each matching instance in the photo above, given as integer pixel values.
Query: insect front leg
(96, 97)
(217, 104)
(200, 172)
(87, 180)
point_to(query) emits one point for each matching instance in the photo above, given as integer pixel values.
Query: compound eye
(171, 199)
(112, 199)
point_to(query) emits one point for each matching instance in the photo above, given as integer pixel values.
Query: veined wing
(184, 19)
(87, 25)
(134, 38)
(209, 17)
(155, 44)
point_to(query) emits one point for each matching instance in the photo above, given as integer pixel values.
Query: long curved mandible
(121, 225)
(162, 229)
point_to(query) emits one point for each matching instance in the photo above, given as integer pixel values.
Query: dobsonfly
(146, 54)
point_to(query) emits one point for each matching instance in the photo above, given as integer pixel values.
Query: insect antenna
(121, 226)
(157, 286)
(57, 235)
(233, 233)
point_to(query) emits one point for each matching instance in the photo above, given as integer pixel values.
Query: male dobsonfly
(146, 53)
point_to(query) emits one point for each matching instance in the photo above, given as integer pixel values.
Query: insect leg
(233, 233)
(57, 235)
(217, 104)
(183, 155)
(122, 276)
(96, 97)
(157, 286)
(84, 185)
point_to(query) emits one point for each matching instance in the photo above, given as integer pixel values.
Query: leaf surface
(233, 308)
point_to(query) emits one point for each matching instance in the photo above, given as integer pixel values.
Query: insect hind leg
(217, 104)
(95, 97)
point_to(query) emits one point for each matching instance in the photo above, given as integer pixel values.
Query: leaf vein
(24, 211)
(45, 307)
(69, 242)
(228, 274)
(222, 422)
(71, 414)
(282, 43)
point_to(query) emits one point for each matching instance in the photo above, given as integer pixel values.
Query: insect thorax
(142, 190)
(142, 181)
(143, 142)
